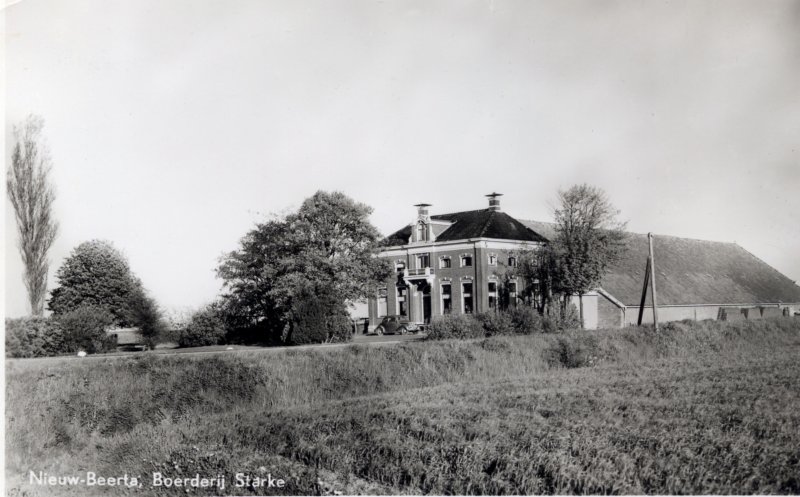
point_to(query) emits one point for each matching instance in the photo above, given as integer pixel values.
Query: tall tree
(32, 196)
(328, 243)
(588, 239)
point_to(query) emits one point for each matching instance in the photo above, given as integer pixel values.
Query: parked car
(390, 325)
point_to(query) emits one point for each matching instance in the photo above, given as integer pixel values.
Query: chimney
(494, 201)
(422, 209)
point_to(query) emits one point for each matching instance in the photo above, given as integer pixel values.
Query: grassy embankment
(705, 408)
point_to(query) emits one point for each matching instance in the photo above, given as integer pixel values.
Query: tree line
(288, 282)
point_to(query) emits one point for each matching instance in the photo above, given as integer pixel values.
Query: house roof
(483, 223)
(690, 271)
(399, 237)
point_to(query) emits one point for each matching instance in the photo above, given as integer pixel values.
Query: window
(447, 302)
(466, 261)
(492, 295)
(422, 232)
(423, 260)
(466, 292)
(492, 259)
(399, 267)
(512, 261)
(382, 309)
(402, 303)
(512, 293)
(444, 262)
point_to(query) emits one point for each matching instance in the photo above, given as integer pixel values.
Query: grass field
(695, 408)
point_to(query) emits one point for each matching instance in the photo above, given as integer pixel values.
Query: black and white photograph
(401, 247)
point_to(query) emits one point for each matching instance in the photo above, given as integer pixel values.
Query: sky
(175, 126)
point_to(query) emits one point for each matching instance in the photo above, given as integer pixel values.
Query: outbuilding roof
(691, 271)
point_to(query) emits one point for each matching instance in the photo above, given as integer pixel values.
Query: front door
(426, 304)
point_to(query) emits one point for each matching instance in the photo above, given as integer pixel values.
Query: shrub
(33, 337)
(85, 329)
(570, 352)
(495, 323)
(455, 326)
(521, 320)
(525, 320)
(318, 316)
(264, 333)
(204, 328)
(340, 328)
(561, 320)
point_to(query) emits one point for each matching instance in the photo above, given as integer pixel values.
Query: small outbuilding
(128, 338)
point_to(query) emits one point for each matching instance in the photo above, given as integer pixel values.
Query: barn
(695, 279)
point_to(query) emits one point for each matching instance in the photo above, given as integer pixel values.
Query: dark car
(395, 325)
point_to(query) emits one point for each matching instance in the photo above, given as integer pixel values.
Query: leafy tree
(250, 275)
(588, 239)
(204, 328)
(97, 274)
(328, 243)
(175, 321)
(32, 196)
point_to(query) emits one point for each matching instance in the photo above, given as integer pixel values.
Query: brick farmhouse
(464, 262)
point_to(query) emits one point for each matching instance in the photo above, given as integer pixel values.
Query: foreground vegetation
(697, 408)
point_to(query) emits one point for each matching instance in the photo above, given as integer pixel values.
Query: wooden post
(644, 290)
(653, 281)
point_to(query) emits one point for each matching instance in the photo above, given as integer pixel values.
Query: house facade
(460, 263)
(464, 263)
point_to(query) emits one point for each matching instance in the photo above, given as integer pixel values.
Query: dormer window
(422, 232)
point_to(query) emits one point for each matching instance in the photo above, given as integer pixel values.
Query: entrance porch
(419, 291)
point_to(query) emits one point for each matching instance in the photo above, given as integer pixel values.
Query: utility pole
(644, 291)
(653, 281)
